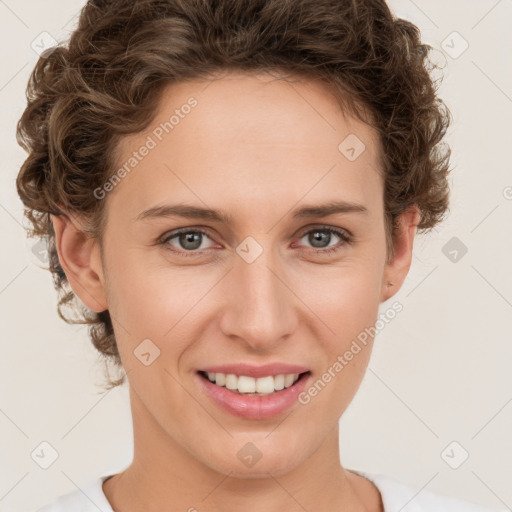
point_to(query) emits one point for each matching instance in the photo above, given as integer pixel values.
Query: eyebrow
(196, 212)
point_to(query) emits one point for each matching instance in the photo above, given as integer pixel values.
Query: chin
(277, 463)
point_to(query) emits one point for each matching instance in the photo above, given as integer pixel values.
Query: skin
(273, 147)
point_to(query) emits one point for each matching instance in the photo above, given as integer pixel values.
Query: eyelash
(346, 239)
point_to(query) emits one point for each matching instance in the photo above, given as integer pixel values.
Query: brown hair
(105, 83)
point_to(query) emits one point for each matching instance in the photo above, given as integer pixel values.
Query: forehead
(249, 139)
(259, 108)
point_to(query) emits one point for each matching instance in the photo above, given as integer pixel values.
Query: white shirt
(396, 497)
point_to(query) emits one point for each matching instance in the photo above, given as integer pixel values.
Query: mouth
(263, 395)
(247, 385)
(255, 392)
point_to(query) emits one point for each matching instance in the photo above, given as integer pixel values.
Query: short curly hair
(82, 97)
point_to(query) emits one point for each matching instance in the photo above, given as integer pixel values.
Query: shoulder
(400, 496)
(90, 498)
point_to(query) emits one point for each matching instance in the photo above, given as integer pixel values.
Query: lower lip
(254, 407)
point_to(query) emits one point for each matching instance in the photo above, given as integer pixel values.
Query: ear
(397, 268)
(80, 258)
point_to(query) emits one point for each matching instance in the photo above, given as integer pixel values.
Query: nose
(260, 309)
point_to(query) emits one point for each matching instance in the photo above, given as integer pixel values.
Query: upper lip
(272, 369)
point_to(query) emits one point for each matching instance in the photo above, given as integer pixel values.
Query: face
(271, 278)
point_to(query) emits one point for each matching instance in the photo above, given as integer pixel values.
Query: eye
(188, 241)
(321, 237)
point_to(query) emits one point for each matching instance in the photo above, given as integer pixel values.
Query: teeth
(288, 380)
(251, 385)
(246, 384)
(265, 385)
(231, 381)
(279, 382)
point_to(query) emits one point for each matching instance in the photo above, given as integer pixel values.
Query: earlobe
(79, 258)
(397, 268)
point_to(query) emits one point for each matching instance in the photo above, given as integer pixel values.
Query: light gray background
(440, 371)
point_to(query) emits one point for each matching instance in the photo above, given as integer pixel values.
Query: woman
(232, 189)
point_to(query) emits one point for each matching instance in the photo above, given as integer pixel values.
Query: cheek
(349, 310)
(345, 297)
(346, 300)
(154, 294)
(163, 303)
